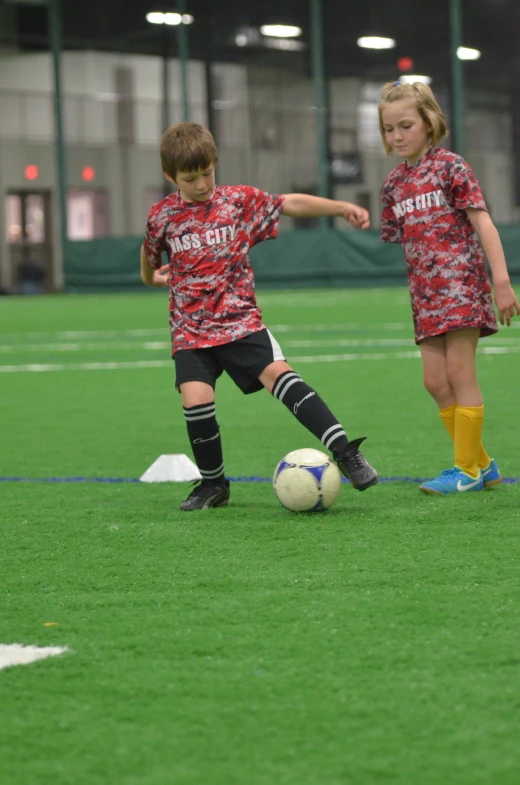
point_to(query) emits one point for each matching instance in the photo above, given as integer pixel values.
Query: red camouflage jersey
(212, 298)
(423, 208)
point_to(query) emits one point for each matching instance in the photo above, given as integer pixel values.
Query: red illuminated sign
(405, 64)
(88, 174)
(31, 172)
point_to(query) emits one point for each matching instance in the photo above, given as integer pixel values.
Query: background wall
(264, 123)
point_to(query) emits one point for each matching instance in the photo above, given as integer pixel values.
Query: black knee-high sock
(204, 435)
(310, 410)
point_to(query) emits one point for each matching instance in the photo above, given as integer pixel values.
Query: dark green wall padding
(305, 258)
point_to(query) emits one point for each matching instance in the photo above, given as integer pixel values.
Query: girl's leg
(438, 383)
(435, 371)
(461, 347)
(307, 406)
(198, 401)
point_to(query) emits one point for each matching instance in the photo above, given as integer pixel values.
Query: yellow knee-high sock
(484, 459)
(468, 431)
(448, 418)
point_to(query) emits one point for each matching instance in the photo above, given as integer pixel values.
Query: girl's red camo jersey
(212, 298)
(423, 208)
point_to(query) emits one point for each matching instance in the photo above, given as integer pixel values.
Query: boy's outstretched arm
(307, 206)
(152, 277)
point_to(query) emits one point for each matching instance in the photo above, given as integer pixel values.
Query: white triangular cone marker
(18, 654)
(171, 468)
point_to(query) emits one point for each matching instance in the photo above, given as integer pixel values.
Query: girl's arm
(505, 298)
(307, 206)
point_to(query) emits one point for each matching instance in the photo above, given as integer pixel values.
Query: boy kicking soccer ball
(206, 231)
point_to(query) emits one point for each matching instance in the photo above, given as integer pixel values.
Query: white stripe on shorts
(277, 351)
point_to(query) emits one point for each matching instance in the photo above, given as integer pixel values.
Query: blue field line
(254, 478)
(69, 479)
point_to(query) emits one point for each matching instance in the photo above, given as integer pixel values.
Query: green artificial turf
(377, 642)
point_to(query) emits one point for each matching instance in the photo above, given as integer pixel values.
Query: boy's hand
(161, 277)
(357, 217)
(506, 302)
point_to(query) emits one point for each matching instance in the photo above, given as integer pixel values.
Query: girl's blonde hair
(425, 102)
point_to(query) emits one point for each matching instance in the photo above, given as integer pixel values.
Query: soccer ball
(307, 481)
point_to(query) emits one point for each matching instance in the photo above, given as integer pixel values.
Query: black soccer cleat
(208, 493)
(355, 467)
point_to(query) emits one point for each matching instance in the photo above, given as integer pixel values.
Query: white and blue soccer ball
(307, 481)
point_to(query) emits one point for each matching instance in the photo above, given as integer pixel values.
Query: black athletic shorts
(243, 360)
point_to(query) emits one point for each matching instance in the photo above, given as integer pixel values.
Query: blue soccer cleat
(491, 475)
(453, 481)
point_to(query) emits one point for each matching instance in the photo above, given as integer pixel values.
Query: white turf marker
(18, 654)
(172, 468)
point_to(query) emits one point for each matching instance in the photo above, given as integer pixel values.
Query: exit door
(28, 226)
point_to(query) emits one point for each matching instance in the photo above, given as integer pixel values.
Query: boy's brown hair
(425, 103)
(186, 147)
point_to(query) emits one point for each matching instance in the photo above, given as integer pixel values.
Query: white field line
(107, 366)
(14, 348)
(75, 335)
(18, 654)
(79, 335)
(316, 359)
(379, 342)
(329, 327)
(328, 293)
(344, 327)
(328, 298)
(153, 346)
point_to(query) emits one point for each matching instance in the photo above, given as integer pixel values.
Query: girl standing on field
(432, 205)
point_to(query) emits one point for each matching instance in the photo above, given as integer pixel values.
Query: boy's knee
(273, 372)
(196, 394)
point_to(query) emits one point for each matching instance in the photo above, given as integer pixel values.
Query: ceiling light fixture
(375, 42)
(281, 31)
(466, 53)
(411, 78)
(284, 44)
(174, 19)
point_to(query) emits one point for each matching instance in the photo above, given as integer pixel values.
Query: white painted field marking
(380, 342)
(17, 654)
(103, 335)
(343, 327)
(336, 358)
(340, 358)
(325, 297)
(164, 346)
(79, 335)
(320, 358)
(162, 332)
(125, 366)
(149, 346)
